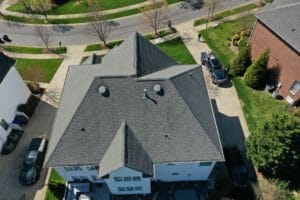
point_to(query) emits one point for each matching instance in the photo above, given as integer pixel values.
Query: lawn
(33, 50)
(177, 50)
(217, 37)
(227, 13)
(72, 7)
(56, 187)
(47, 66)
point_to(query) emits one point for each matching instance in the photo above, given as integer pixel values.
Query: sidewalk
(33, 56)
(7, 3)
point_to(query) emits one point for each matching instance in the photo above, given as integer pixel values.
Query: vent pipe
(145, 95)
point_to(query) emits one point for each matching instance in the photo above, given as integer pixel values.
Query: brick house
(277, 29)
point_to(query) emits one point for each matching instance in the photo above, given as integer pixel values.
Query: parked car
(217, 73)
(236, 166)
(11, 142)
(33, 161)
(6, 38)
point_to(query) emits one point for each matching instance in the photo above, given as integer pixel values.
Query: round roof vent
(158, 89)
(103, 91)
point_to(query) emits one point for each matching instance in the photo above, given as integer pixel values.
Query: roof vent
(145, 95)
(158, 90)
(103, 91)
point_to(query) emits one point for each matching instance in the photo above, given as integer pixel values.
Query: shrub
(241, 62)
(255, 74)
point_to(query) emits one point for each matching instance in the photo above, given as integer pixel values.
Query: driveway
(39, 125)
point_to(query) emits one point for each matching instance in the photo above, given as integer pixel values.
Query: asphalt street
(24, 34)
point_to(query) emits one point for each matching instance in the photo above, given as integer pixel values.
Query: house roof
(177, 126)
(283, 18)
(125, 151)
(5, 64)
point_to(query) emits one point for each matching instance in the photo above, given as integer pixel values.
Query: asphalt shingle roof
(177, 126)
(5, 64)
(283, 18)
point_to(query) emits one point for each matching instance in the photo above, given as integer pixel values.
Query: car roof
(35, 144)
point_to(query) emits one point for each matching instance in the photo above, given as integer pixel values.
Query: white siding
(182, 171)
(13, 91)
(84, 172)
(144, 184)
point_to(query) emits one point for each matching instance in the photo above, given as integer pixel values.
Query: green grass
(177, 50)
(56, 186)
(93, 47)
(71, 7)
(217, 38)
(258, 106)
(47, 66)
(33, 50)
(227, 13)
(70, 20)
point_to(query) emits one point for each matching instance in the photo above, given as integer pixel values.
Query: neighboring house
(278, 29)
(13, 92)
(137, 117)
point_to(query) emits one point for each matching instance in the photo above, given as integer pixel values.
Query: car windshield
(31, 173)
(219, 74)
(31, 157)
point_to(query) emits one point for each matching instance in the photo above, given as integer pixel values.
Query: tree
(274, 148)
(44, 34)
(41, 6)
(99, 27)
(241, 62)
(155, 14)
(255, 76)
(211, 7)
(26, 5)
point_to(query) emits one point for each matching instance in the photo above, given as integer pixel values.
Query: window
(76, 168)
(138, 188)
(92, 168)
(68, 169)
(121, 189)
(118, 179)
(4, 124)
(129, 188)
(295, 87)
(170, 164)
(175, 174)
(205, 164)
(136, 178)
(127, 178)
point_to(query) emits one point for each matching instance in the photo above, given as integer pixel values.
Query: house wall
(144, 184)
(182, 171)
(281, 55)
(69, 175)
(13, 92)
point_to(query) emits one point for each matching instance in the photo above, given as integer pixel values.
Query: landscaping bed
(45, 67)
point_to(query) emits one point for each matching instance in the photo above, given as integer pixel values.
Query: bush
(274, 148)
(255, 76)
(282, 191)
(241, 62)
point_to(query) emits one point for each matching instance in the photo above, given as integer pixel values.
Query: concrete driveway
(39, 125)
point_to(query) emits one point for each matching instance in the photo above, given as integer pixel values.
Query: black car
(11, 142)
(218, 75)
(236, 167)
(33, 161)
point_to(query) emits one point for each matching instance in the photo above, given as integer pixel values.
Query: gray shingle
(5, 64)
(176, 127)
(283, 18)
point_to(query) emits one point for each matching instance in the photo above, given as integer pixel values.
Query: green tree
(241, 62)
(274, 148)
(255, 74)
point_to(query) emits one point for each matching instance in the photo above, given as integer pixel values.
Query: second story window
(76, 168)
(136, 178)
(92, 168)
(118, 179)
(295, 87)
(68, 169)
(127, 178)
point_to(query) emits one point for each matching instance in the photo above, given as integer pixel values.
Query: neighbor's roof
(175, 127)
(283, 18)
(5, 64)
